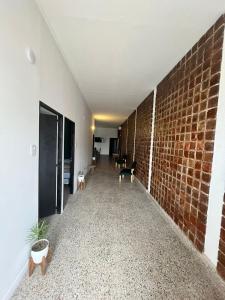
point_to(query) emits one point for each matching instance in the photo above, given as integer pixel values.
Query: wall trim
(16, 282)
(152, 138)
(217, 184)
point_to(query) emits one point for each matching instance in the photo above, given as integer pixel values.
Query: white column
(152, 137)
(217, 186)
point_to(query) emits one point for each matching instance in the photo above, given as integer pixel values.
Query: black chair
(128, 172)
(121, 161)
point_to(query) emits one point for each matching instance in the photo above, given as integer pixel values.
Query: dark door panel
(113, 146)
(47, 165)
(69, 148)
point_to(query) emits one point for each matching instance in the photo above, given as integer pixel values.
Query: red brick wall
(130, 138)
(221, 253)
(124, 138)
(185, 120)
(143, 138)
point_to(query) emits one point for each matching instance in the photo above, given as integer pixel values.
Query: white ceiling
(118, 50)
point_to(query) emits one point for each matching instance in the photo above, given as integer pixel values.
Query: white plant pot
(37, 255)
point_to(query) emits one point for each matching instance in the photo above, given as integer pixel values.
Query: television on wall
(99, 140)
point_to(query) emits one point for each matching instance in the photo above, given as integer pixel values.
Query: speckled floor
(112, 243)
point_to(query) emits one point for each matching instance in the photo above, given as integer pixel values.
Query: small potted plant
(40, 244)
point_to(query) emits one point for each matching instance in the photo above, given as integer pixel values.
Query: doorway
(113, 146)
(50, 161)
(69, 149)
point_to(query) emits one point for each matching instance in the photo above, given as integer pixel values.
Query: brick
(221, 258)
(213, 102)
(210, 135)
(123, 141)
(209, 146)
(207, 167)
(221, 270)
(199, 245)
(220, 22)
(207, 156)
(206, 177)
(223, 222)
(215, 79)
(211, 113)
(222, 234)
(143, 138)
(183, 144)
(222, 246)
(192, 125)
(130, 137)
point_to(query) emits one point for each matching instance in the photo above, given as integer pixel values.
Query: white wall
(22, 85)
(105, 133)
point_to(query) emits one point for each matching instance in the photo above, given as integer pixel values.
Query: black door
(47, 165)
(113, 146)
(72, 157)
(69, 140)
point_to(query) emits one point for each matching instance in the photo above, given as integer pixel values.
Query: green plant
(38, 231)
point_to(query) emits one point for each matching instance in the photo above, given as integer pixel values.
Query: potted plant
(40, 244)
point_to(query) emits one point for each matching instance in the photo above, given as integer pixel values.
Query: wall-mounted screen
(99, 140)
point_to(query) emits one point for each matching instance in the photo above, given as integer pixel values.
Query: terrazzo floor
(111, 242)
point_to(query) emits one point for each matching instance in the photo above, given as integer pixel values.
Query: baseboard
(166, 217)
(140, 184)
(15, 283)
(182, 237)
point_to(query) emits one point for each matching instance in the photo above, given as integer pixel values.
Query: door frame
(60, 160)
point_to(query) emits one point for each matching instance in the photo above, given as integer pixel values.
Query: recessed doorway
(113, 146)
(69, 149)
(50, 161)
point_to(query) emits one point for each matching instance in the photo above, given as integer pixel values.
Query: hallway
(112, 243)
